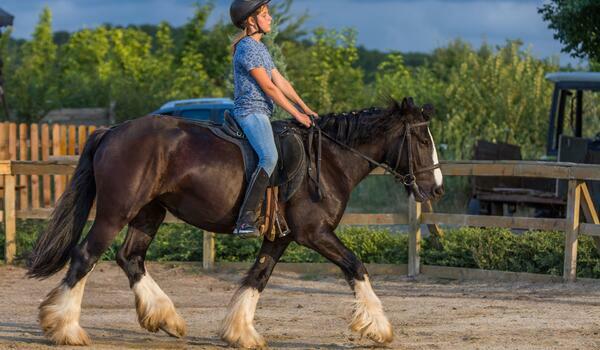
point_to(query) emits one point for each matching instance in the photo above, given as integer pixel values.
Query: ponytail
(236, 39)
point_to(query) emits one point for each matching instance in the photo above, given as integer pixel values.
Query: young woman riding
(257, 83)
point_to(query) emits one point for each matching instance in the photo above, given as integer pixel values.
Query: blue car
(207, 109)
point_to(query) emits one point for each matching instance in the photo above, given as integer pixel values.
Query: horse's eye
(425, 142)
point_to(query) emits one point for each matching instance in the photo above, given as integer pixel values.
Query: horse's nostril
(438, 191)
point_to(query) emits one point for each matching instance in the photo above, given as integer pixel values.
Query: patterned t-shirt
(248, 96)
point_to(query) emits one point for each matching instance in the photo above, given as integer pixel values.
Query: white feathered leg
(155, 310)
(59, 315)
(237, 328)
(368, 318)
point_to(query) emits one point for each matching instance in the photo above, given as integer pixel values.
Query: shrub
(492, 249)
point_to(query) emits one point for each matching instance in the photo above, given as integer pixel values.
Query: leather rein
(408, 179)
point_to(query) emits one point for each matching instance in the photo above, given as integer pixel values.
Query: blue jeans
(259, 133)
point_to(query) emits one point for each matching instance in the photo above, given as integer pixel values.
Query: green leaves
(576, 24)
(32, 80)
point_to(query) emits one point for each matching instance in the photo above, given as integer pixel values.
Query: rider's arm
(267, 85)
(288, 90)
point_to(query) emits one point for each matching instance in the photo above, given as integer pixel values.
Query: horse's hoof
(71, 334)
(175, 326)
(378, 329)
(370, 321)
(250, 340)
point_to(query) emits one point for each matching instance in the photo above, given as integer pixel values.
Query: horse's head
(412, 152)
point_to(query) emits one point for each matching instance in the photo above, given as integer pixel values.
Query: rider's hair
(242, 34)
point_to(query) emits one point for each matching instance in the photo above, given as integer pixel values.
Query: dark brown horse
(138, 170)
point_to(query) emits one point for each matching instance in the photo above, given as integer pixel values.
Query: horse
(140, 169)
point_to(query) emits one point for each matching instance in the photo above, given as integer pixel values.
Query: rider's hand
(303, 119)
(309, 111)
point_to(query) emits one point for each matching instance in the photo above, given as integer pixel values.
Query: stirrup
(246, 231)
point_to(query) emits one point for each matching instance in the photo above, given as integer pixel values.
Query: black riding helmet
(240, 10)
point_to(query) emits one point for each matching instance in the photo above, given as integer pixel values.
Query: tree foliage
(496, 93)
(577, 26)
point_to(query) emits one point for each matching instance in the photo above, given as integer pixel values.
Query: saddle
(288, 175)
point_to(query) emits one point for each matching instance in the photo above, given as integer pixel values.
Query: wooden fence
(40, 142)
(578, 198)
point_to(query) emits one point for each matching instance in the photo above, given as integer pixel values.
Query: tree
(326, 73)
(33, 82)
(577, 26)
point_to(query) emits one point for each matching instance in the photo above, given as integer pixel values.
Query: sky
(401, 25)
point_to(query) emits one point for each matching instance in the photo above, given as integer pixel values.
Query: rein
(408, 179)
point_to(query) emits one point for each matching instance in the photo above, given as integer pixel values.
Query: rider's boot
(255, 194)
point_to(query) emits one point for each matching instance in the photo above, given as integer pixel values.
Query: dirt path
(308, 312)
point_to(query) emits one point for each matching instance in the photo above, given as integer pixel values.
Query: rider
(257, 83)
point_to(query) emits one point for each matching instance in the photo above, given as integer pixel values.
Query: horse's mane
(357, 127)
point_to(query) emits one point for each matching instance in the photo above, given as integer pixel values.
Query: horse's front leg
(237, 328)
(368, 317)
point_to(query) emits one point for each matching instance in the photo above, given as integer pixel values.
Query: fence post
(414, 237)
(10, 224)
(208, 252)
(572, 230)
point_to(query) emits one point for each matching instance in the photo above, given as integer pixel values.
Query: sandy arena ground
(313, 312)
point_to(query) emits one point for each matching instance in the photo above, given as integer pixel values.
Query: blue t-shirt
(248, 96)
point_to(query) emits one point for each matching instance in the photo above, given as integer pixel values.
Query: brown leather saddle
(289, 173)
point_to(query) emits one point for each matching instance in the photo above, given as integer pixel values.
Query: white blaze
(437, 173)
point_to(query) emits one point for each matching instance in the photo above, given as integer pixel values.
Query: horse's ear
(407, 105)
(428, 111)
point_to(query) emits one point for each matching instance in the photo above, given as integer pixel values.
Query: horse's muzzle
(438, 191)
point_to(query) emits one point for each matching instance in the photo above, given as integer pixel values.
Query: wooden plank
(35, 156)
(571, 230)
(81, 138)
(12, 141)
(374, 219)
(590, 230)
(414, 237)
(4, 154)
(46, 191)
(63, 151)
(494, 221)
(72, 143)
(589, 211)
(550, 170)
(469, 274)
(6, 167)
(43, 168)
(3, 150)
(208, 252)
(10, 221)
(23, 155)
(56, 151)
(72, 140)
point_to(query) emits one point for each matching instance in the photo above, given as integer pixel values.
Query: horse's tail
(53, 248)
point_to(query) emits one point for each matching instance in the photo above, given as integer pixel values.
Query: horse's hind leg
(237, 328)
(59, 312)
(154, 308)
(368, 317)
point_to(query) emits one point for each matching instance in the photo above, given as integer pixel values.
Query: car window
(201, 114)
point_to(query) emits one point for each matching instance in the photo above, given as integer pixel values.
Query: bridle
(408, 179)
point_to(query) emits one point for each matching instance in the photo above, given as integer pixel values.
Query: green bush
(492, 249)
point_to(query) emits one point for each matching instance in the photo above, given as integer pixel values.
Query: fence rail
(578, 199)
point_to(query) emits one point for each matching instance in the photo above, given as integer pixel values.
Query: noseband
(408, 179)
